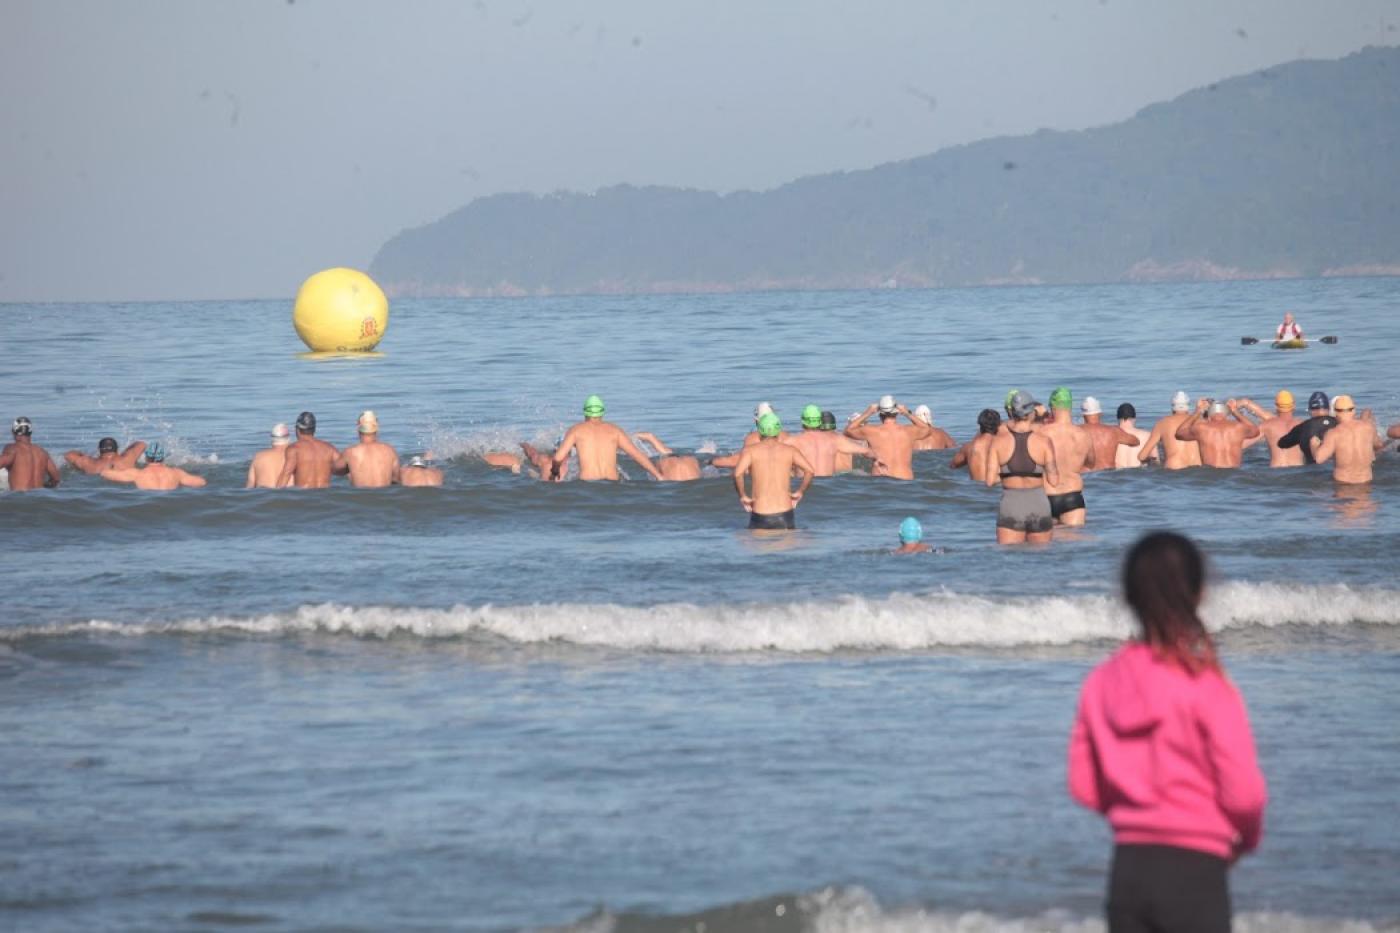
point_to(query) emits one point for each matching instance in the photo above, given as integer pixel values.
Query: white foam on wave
(901, 622)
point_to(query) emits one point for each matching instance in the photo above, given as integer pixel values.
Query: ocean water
(511, 705)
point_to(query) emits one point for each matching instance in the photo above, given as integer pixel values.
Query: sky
(204, 149)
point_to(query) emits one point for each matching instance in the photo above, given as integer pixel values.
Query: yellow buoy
(340, 310)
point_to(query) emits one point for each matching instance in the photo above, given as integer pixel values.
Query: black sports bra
(1021, 463)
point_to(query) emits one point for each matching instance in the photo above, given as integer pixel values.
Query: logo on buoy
(369, 327)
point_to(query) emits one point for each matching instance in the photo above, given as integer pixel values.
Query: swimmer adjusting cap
(1181, 402)
(886, 405)
(306, 422)
(593, 407)
(22, 426)
(1317, 400)
(108, 445)
(769, 425)
(811, 417)
(1061, 398)
(1283, 401)
(910, 530)
(155, 452)
(924, 414)
(828, 421)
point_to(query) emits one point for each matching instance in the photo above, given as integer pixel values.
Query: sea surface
(509, 705)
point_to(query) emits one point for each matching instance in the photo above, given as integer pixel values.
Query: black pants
(1163, 889)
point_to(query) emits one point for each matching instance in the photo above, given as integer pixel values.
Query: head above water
(1126, 412)
(1181, 402)
(1090, 406)
(887, 406)
(593, 407)
(1318, 403)
(280, 435)
(22, 427)
(761, 409)
(1218, 409)
(1283, 401)
(1022, 405)
(1342, 404)
(306, 423)
(1164, 578)
(910, 531)
(925, 414)
(155, 452)
(417, 461)
(988, 421)
(811, 417)
(367, 423)
(1061, 399)
(769, 425)
(828, 421)
(108, 445)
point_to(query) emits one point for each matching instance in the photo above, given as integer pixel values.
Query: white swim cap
(886, 404)
(280, 434)
(761, 409)
(1181, 402)
(1091, 406)
(924, 414)
(368, 423)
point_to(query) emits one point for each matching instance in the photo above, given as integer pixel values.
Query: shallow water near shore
(512, 705)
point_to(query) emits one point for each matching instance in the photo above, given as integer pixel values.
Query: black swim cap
(988, 421)
(1318, 400)
(1126, 410)
(108, 445)
(306, 423)
(828, 421)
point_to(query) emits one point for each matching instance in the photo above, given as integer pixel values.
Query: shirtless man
(1025, 460)
(675, 468)
(1353, 441)
(371, 463)
(892, 443)
(1074, 456)
(598, 442)
(822, 447)
(155, 476)
(417, 473)
(1221, 440)
(1315, 426)
(729, 461)
(940, 439)
(1107, 439)
(1273, 427)
(1289, 329)
(773, 504)
(976, 453)
(29, 464)
(107, 457)
(845, 461)
(1126, 458)
(266, 468)
(911, 538)
(1179, 454)
(309, 460)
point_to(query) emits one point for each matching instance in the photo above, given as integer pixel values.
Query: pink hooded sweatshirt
(1168, 757)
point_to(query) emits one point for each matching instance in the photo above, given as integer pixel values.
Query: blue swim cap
(155, 452)
(910, 531)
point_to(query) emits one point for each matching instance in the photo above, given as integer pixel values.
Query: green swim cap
(593, 407)
(1009, 396)
(770, 426)
(1061, 398)
(811, 417)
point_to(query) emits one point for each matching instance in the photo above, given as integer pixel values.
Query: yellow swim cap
(1343, 403)
(1284, 400)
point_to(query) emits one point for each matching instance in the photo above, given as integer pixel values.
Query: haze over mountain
(1291, 171)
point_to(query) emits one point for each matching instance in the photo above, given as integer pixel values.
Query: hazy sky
(229, 148)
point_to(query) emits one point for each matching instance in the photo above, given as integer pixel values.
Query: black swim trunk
(1066, 502)
(780, 521)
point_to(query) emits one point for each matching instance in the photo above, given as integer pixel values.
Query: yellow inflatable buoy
(340, 310)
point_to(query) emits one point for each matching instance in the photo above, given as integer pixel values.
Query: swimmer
(417, 472)
(729, 461)
(891, 442)
(107, 456)
(1025, 459)
(1289, 329)
(1221, 440)
(371, 463)
(266, 468)
(821, 447)
(1179, 454)
(1074, 456)
(155, 476)
(1107, 439)
(1352, 441)
(940, 440)
(911, 538)
(29, 464)
(976, 454)
(598, 442)
(773, 504)
(675, 468)
(1273, 427)
(845, 462)
(308, 461)
(1127, 457)
(502, 460)
(1315, 427)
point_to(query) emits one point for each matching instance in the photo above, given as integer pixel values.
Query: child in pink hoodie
(1161, 746)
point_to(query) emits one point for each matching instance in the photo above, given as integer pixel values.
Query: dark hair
(1126, 411)
(988, 421)
(107, 444)
(1164, 576)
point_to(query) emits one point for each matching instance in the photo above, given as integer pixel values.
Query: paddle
(1251, 341)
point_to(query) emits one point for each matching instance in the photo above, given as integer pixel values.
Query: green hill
(1292, 171)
